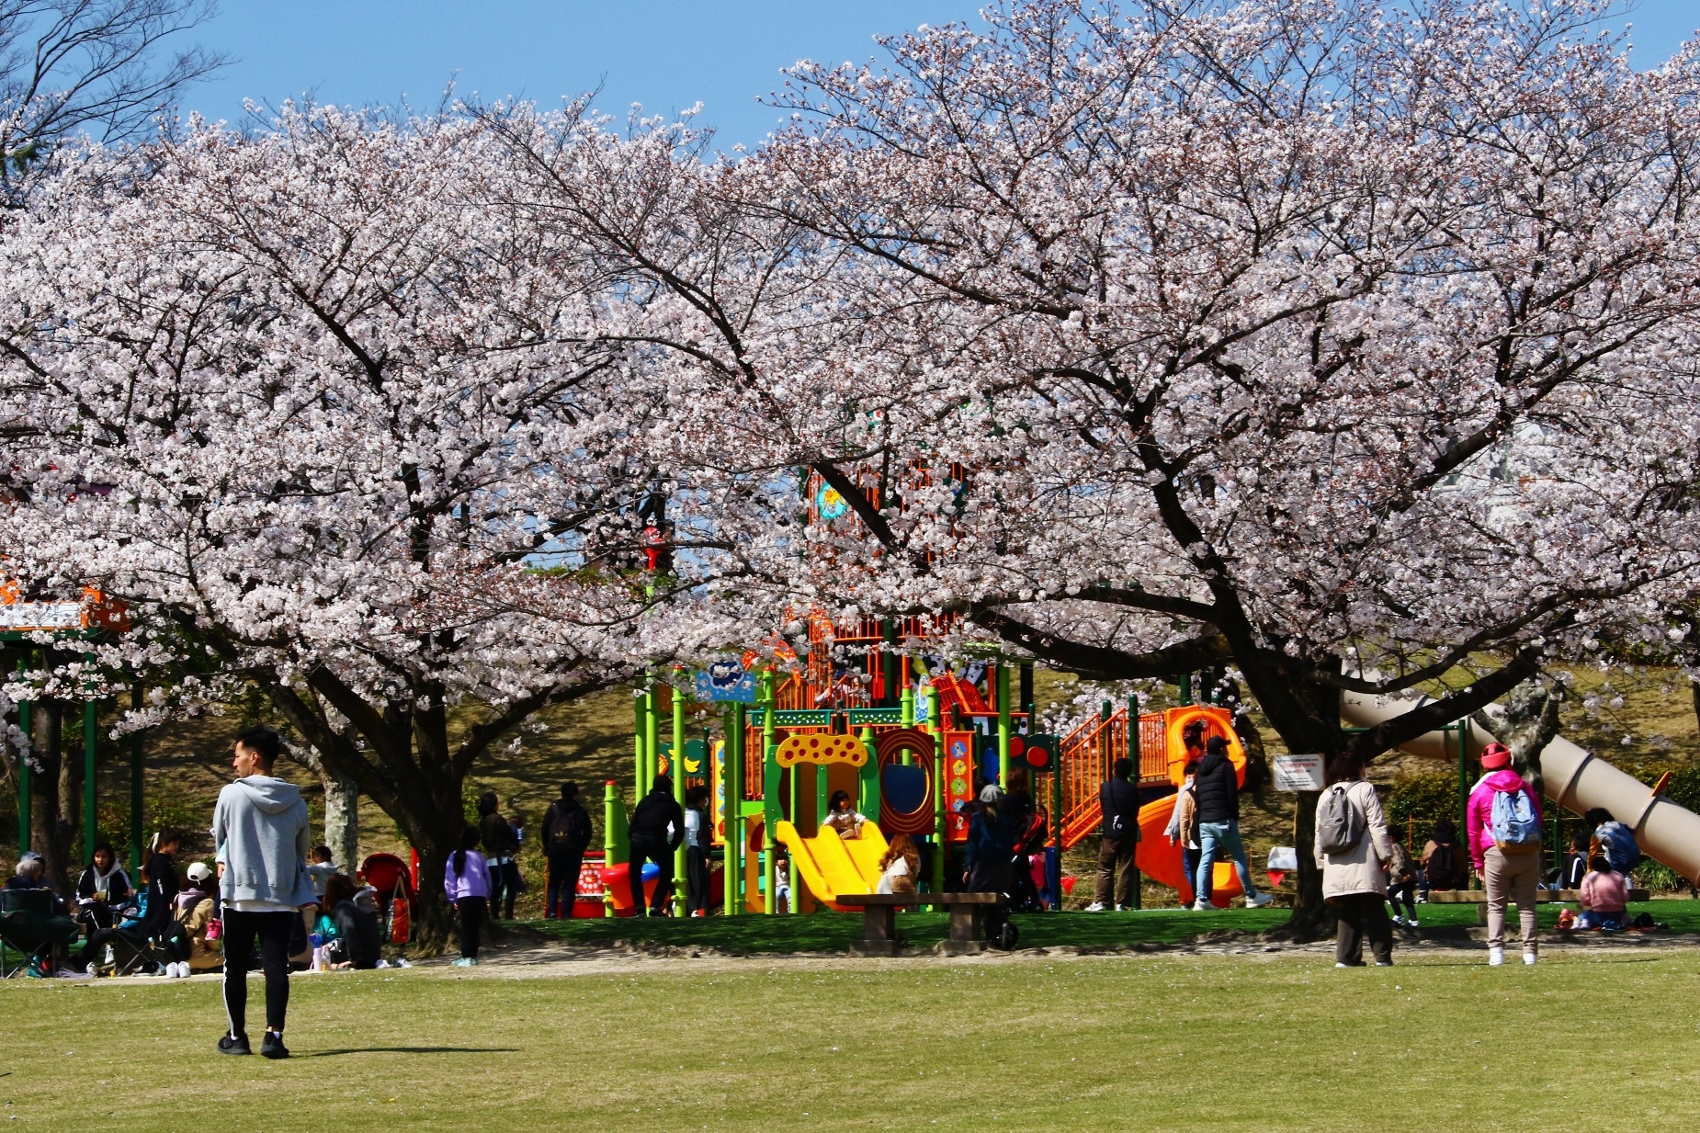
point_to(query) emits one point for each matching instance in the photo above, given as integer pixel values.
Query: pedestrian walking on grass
(566, 833)
(655, 831)
(466, 883)
(1352, 848)
(501, 855)
(1218, 793)
(260, 829)
(1504, 827)
(1401, 881)
(1118, 799)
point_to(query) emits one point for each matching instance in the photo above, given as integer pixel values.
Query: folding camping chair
(30, 928)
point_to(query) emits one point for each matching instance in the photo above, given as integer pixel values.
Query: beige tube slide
(1575, 779)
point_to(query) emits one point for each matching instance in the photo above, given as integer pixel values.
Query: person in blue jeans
(1216, 791)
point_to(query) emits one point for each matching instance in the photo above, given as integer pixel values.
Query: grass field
(827, 932)
(1281, 1042)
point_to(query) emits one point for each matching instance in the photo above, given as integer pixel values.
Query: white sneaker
(1496, 957)
(382, 963)
(1412, 923)
(1095, 907)
(180, 970)
(1399, 920)
(1258, 900)
(1340, 965)
(1201, 906)
(1531, 958)
(91, 970)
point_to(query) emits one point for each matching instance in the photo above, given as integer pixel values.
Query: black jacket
(162, 892)
(497, 836)
(1216, 790)
(357, 928)
(1119, 800)
(650, 819)
(566, 827)
(119, 884)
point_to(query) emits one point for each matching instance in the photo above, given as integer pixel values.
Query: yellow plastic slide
(829, 865)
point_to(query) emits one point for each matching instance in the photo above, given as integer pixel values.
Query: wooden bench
(879, 919)
(1478, 898)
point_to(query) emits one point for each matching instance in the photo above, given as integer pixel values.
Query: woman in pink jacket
(1510, 871)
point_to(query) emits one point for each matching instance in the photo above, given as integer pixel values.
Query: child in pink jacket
(1508, 874)
(1605, 896)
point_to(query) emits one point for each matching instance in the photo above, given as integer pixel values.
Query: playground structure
(910, 746)
(908, 766)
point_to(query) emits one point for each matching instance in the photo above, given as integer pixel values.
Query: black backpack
(1442, 865)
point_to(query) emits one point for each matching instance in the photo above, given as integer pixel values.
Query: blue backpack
(1515, 827)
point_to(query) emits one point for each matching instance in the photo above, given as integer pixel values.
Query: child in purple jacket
(466, 883)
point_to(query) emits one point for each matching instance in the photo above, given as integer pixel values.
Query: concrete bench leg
(879, 931)
(967, 931)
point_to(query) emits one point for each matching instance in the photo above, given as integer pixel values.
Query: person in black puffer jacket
(655, 831)
(1216, 790)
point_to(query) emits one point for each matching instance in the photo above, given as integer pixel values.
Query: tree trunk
(55, 793)
(342, 822)
(1307, 717)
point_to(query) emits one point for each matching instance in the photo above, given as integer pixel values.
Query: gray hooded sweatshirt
(260, 829)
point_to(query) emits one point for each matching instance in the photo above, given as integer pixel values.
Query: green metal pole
(677, 767)
(939, 824)
(25, 712)
(1184, 687)
(136, 833)
(734, 771)
(868, 782)
(613, 835)
(888, 661)
(89, 837)
(771, 812)
(640, 757)
(1003, 726)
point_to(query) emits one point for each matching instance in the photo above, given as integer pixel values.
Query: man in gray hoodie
(260, 829)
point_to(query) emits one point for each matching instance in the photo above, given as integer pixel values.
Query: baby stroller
(390, 877)
(1024, 892)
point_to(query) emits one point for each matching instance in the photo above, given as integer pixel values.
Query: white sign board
(1298, 773)
(1283, 858)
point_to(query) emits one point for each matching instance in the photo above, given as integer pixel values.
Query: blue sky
(665, 54)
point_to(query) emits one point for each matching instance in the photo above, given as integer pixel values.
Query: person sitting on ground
(1401, 880)
(1353, 882)
(1613, 839)
(104, 887)
(1218, 794)
(156, 908)
(466, 883)
(348, 933)
(900, 866)
(842, 817)
(197, 906)
(1575, 863)
(331, 946)
(1605, 897)
(1443, 859)
(321, 870)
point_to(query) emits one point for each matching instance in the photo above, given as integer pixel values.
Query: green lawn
(828, 932)
(1276, 1042)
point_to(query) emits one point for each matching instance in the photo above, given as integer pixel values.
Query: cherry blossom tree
(336, 427)
(1339, 349)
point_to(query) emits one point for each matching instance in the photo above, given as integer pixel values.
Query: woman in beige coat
(1353, 882)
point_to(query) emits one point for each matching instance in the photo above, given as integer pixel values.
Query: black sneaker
(229, 1045)
(272, 1046)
